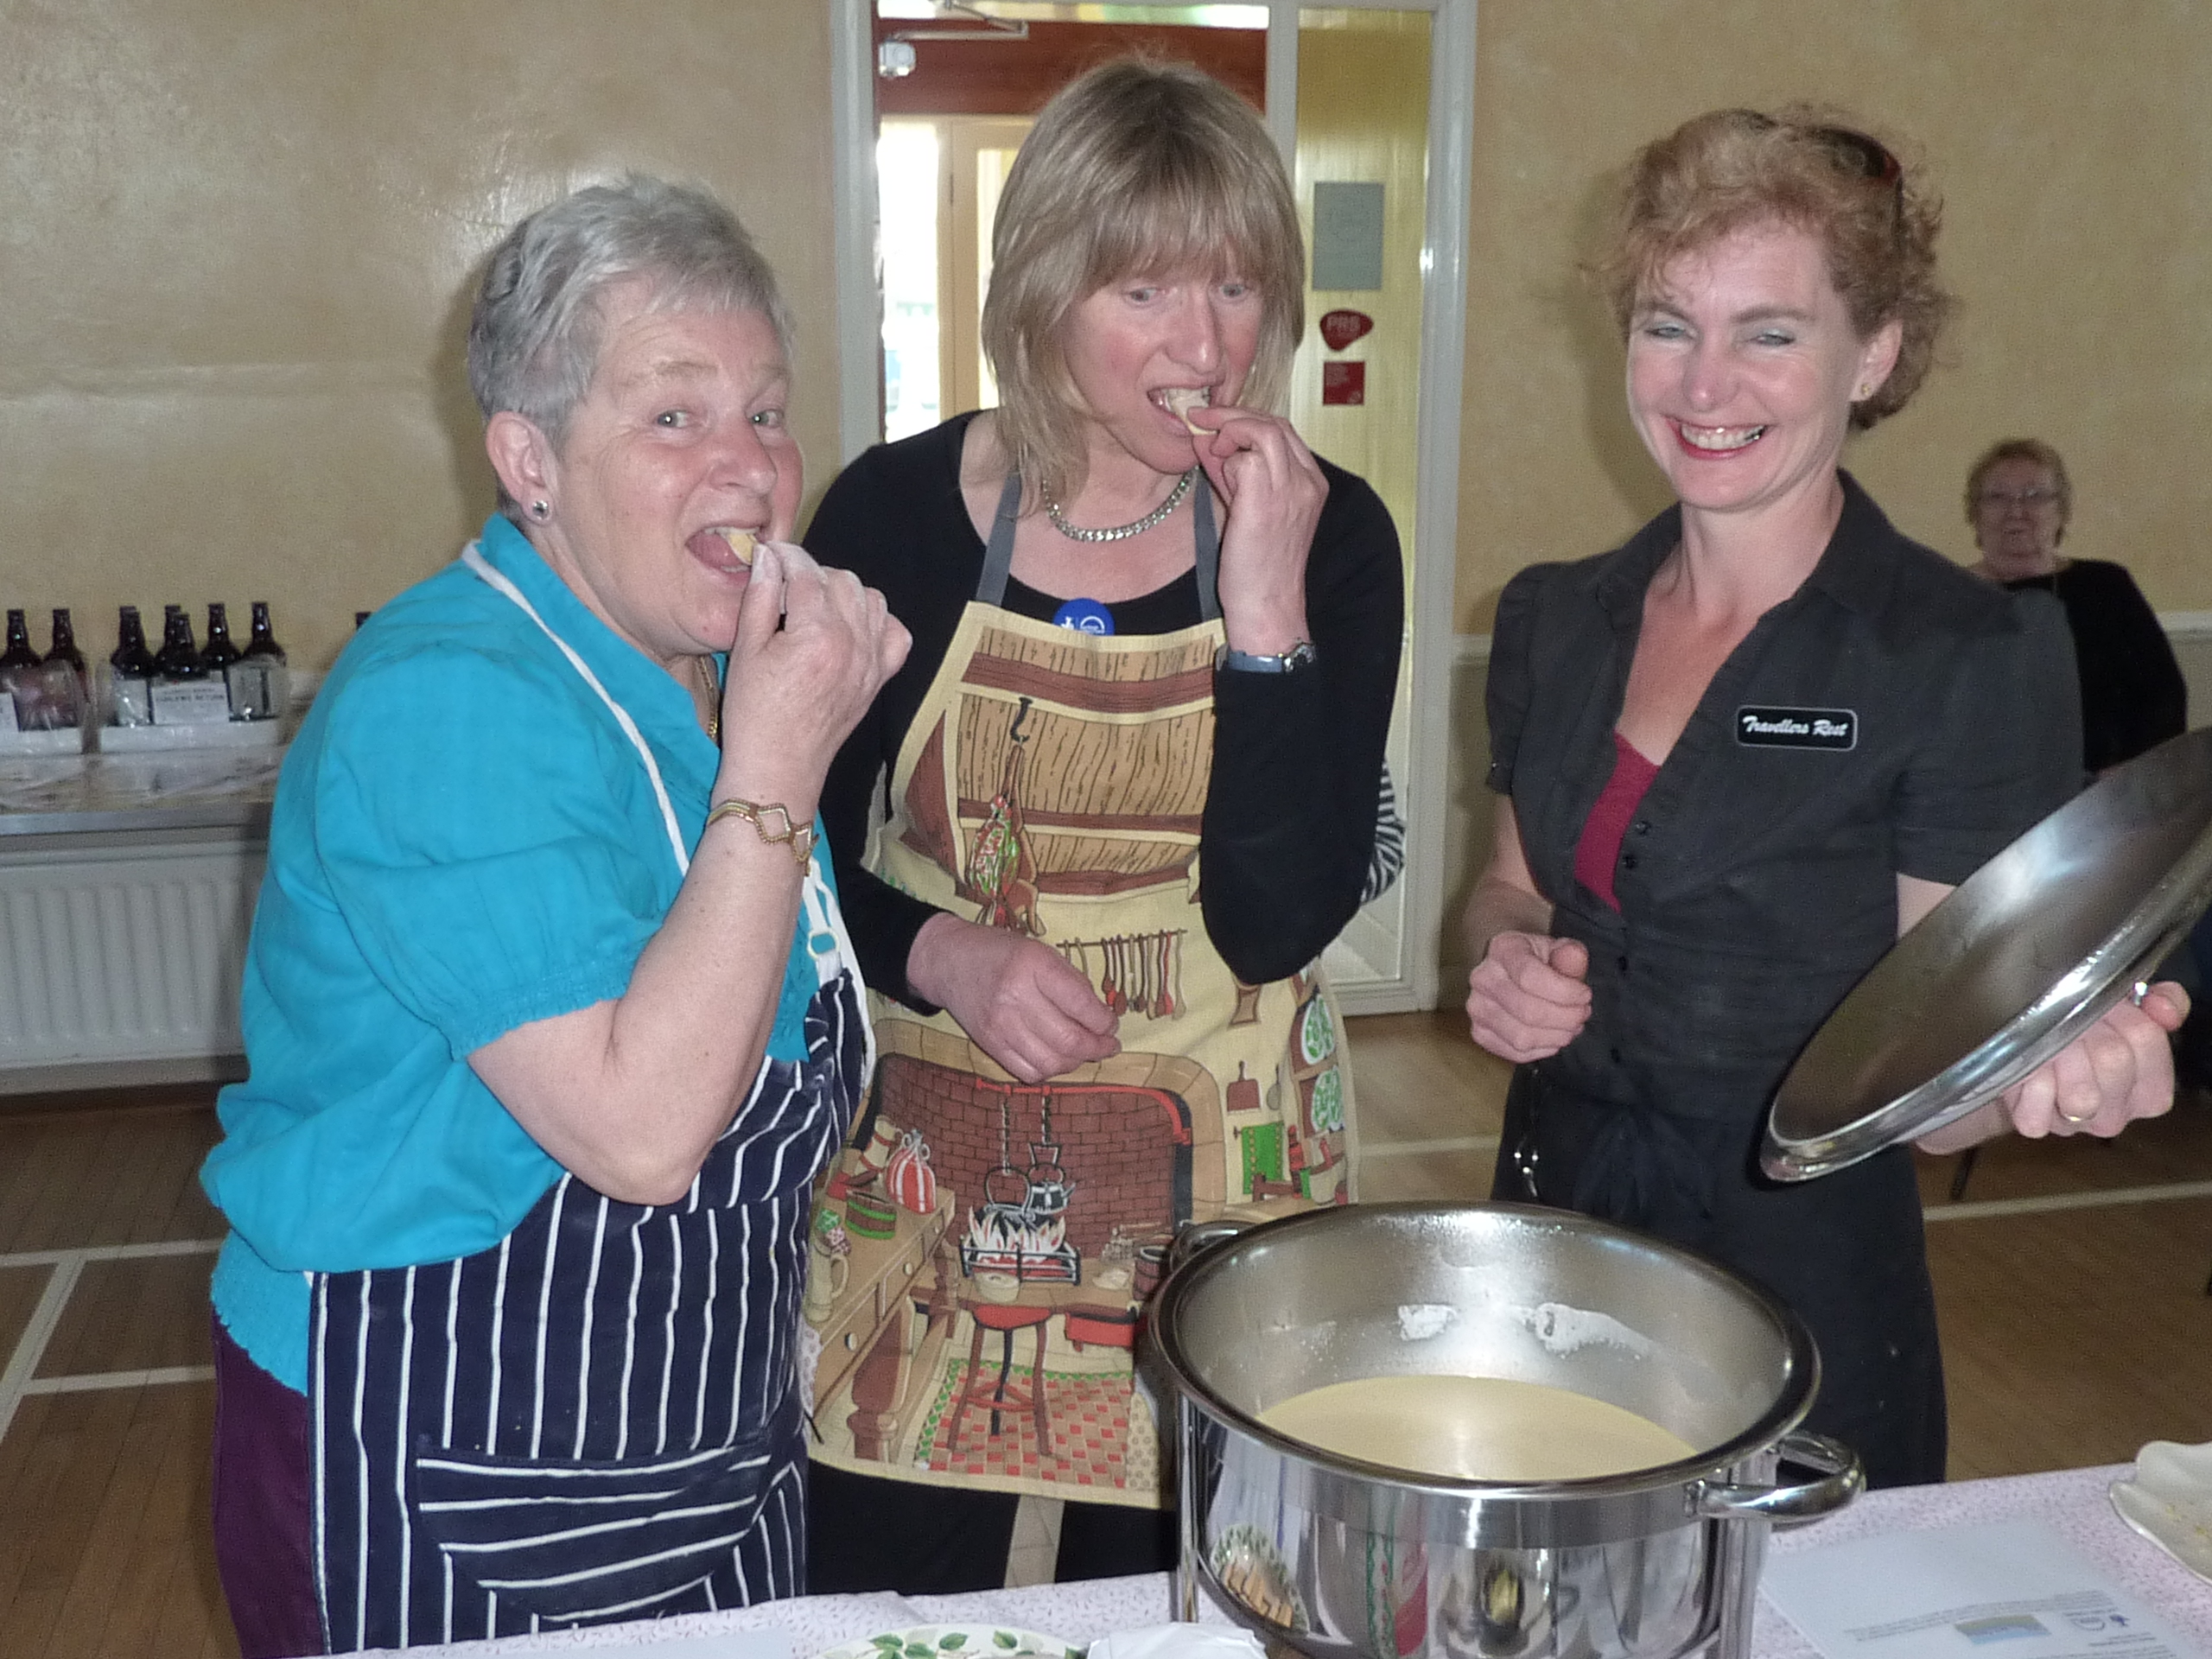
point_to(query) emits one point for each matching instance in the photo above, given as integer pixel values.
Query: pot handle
(1841, 1479)
(1198, 1237)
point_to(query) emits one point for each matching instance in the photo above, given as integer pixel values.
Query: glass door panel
(1362, 177)
(907, 167)
(978, 152)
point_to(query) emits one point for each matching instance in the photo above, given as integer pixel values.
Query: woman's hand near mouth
(1274, 492)
(794, 692)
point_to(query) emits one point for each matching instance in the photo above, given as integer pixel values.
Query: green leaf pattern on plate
(954, 1642)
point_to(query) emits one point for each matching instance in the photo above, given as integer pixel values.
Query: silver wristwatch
(1247, 662)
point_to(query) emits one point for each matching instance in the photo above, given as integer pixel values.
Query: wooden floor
(2070, 1280)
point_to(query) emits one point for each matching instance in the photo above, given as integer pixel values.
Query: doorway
(939, 176)
(1372, 104)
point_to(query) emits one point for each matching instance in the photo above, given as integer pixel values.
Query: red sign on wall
(1340, 328)
(1344, 383)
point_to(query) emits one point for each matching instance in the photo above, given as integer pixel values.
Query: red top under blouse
(1598, 854)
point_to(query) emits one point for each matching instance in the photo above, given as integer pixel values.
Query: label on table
(2014, 1586)
(191, 702)
(134, 703)
(257, 688)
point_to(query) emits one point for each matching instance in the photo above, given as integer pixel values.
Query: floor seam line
(112, 1252)
(1996, 1209)
(94, 1382)
(30, 1347)
(1411, 1148)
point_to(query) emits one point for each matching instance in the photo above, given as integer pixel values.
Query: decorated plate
(2169, 1501)
(954, 1642)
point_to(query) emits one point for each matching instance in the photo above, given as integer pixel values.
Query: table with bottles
(134, 816)
(183, 696)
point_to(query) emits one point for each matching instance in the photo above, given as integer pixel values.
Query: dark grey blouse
(1895, 715)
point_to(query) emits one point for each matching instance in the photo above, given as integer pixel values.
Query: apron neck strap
(998, 552)
(1209, 554)
(473, 558)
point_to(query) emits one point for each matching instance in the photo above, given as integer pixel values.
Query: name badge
(1797, 728)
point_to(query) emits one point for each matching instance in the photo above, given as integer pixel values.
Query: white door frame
(1429, 605)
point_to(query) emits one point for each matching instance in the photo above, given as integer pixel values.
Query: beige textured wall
(236, 236)
(2069, 141)
(234, 247)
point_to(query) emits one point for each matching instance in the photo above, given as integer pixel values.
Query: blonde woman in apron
(1130, 773)
(549, 1011)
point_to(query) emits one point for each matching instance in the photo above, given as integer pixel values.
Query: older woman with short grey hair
(549, 1009)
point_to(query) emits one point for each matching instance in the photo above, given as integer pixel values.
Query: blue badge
(1084, 616)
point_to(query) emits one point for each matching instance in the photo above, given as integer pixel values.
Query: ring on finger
(2070, 1118)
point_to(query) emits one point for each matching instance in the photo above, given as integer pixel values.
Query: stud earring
(539, 509)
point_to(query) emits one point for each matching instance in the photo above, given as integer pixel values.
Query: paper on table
(2014, 1585)
(1177, 1641)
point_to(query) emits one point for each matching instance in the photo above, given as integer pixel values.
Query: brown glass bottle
(18, 653)
(37, 702)
(263, 641)
(133, 671)
(68, 687)
(18, 675)
(220, 653)
(64, 648)
(260, 683)
(179, 656)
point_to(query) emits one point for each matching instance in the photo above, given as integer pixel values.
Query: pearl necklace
(1122, 532)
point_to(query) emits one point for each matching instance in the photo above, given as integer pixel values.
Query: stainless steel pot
(1346, 1559)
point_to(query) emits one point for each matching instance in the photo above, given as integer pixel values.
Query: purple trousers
(263, 1537)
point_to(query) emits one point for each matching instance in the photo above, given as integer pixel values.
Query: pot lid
(2026, 954)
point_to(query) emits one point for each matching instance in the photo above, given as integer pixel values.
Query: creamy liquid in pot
(1474, 1428)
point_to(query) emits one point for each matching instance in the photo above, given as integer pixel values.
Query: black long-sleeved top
(1290, 813)
(2133, 697)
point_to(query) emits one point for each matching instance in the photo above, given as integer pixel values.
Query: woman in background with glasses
(1742, 753)
(2019, 502)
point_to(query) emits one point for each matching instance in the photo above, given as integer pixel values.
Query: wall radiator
(126, 958)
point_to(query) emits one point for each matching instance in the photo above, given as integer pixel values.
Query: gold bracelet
(799, 838)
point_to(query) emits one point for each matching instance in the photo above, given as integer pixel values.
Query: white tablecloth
(2072, 1502)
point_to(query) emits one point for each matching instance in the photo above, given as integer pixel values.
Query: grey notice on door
(1347, 236)
(1797, 728)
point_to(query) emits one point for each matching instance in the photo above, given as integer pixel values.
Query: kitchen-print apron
(983, 1249)
(600, 1417)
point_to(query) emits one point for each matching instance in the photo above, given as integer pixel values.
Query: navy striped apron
(601, 1417)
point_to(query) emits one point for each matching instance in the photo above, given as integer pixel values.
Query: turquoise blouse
(463, 841)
